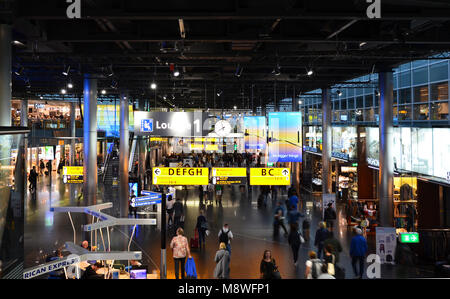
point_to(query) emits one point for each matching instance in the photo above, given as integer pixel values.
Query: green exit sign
(269, 164)
(409, 238)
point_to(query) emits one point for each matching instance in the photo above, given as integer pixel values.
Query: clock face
(222, 128)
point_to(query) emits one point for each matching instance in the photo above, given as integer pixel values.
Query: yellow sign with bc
(270, 176)
(178, 176)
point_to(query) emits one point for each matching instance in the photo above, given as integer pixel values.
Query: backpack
(223, 237)
(316, 268)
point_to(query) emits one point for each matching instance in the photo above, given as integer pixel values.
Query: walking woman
(222, 259)
(268, 267)
(180, 247)
(202, 227)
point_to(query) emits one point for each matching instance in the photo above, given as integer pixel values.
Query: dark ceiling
(140, 39)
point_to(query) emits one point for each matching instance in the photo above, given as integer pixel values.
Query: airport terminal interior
(252, 139)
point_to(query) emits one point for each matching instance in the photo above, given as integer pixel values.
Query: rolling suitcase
(195, 241)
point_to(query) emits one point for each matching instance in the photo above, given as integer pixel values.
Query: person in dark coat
(329, 216)
(319, 241)
(294, 241)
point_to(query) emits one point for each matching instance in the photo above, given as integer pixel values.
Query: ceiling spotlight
(19, 71)
(41, 97)
(103, 91)
(300, 102)
(362, 44)
(153, 85)
(339, 93)
(69, 85)
(176, 72)
(377, 93)
(18, 43)
(234, 107)
(114, 84)
(276, 70)
(239, 70)
(109, 71)
(165, 97)
(173, 97)
(219, 93)
(63, 91)
(310, 72)
(66, 70)
(27, 83)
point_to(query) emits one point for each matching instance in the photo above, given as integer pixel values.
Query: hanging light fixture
(63, 91)
(103, 91)
(69, 85)
(276, 70)
(66, 70)
(153, 85)
(310, 72)
(339, 93)
(19, 71)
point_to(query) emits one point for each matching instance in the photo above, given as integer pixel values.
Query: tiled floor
(252, 229)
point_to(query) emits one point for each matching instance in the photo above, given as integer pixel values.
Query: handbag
(191, 271)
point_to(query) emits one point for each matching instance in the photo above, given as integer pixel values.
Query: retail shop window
(439, 71)
(421, 112)
(404, 112)
(421, 94)
(439, 111)
(404, 96)
(439, 91)
(405, 203)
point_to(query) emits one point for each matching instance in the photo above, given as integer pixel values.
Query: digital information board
(178, 176)
(73, 174)
(270, 176)
(229, 176)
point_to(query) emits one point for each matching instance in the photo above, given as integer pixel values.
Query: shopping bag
(191, 271)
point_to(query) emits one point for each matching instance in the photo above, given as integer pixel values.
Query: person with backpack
(169, 207)
(294, 240)
(225, 236)
(329, 216)
(268, 267)
(222, 259)
(358, 250)
(279, 220)
(313, 266)
(321, 235)
(202, 227)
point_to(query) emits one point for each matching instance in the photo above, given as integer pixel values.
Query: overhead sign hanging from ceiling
(229, 176)
(270, 176)
(177, 176)
(171, 124)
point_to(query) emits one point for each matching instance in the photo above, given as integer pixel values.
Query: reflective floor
(252, 229)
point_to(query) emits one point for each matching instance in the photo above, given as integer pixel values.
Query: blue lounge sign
(147, 125)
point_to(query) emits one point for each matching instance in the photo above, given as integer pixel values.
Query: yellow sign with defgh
(270, 176)
(177, 176)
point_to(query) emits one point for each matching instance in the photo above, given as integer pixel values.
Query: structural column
(326, 141)
(73, 131)
(5, 75)
(124, 153)
(386, 173)
(90, 141)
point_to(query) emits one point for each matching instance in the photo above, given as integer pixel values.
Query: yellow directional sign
(270, 176)
(72, 174)
(239, 172)
(177, 176)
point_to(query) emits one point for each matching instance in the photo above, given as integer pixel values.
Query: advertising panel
(49, 153)
(373, 146)
(285, 137)
(255, 132)
(171, 124)
(386, 243)
(313, 139)
(344, 140)
(108, 119)
(441, 150)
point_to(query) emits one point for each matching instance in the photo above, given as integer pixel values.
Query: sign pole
(163, 270)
